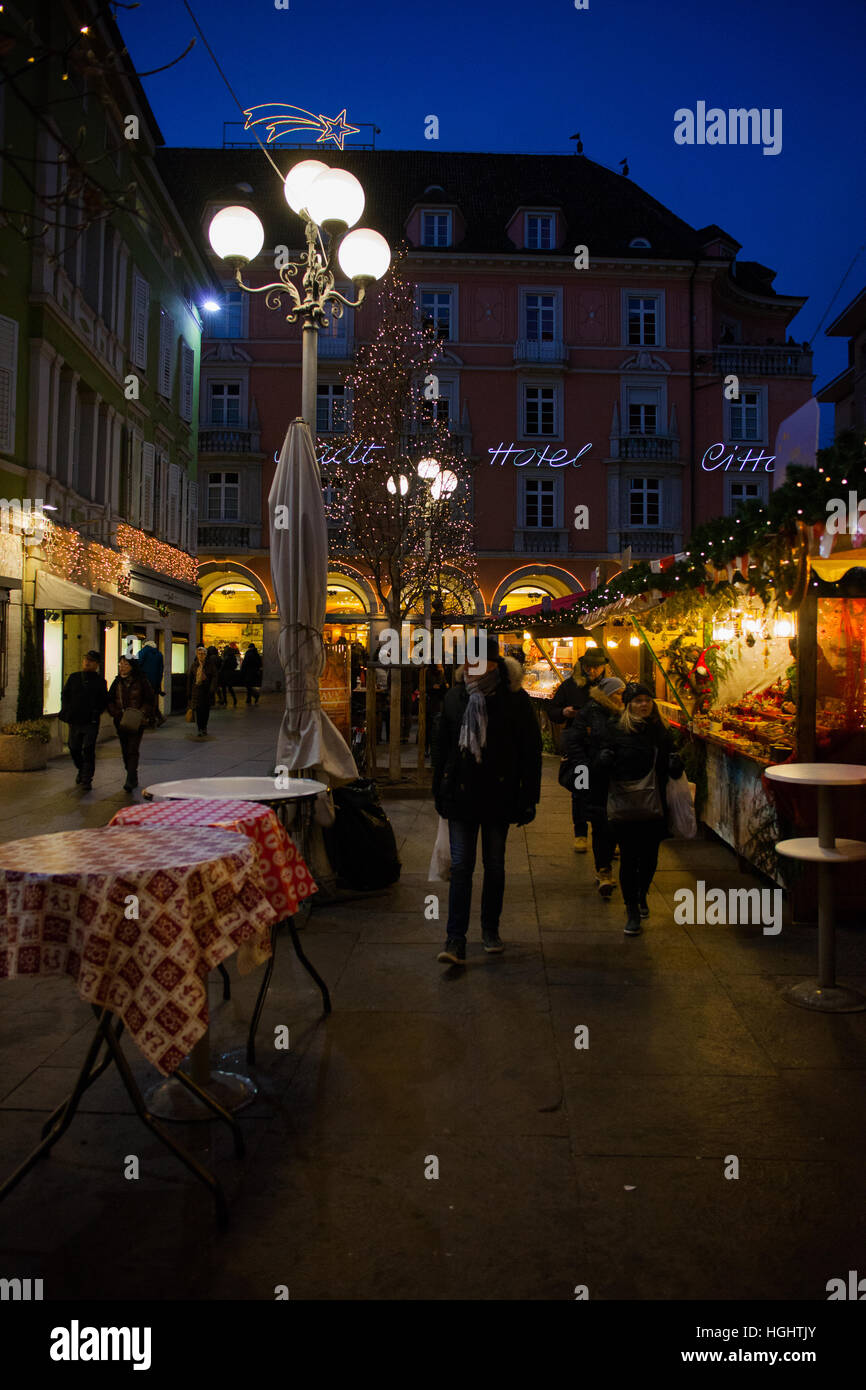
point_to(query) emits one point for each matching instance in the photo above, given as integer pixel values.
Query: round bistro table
(823, 994)
(137, 921)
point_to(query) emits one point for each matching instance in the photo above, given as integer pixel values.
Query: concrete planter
(19, 754)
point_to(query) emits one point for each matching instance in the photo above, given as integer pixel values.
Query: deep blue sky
(523, 75)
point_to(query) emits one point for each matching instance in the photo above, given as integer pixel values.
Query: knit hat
(594, 656)
(492, 649)
(633, 690)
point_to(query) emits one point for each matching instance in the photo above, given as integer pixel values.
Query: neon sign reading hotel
(556, 460)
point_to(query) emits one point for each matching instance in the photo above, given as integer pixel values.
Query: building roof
(603, 210)
(851, 319)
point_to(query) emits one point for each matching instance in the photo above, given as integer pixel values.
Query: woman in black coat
(251, 672)
(581, 745)
(132, 706)
(633, 744)
(487, 776)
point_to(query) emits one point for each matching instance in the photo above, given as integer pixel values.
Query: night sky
(524, 75)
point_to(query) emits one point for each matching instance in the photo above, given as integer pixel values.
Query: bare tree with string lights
(399, 490)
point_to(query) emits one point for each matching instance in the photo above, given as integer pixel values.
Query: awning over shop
(130, 610)
(834, 567)
(52, 592)
(174, 592)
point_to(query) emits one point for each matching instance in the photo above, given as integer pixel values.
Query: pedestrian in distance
(639, 753)
(152, 663)
(251, 672)
(486, 776)
(588, 778)
(201, 683)
(132, 706)
(228, 672)
(85, 696)
(568, 698)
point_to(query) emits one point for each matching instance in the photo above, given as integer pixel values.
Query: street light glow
(210, 306)
(364, 254)
(391, 485)
(236, 233)
(427, 469)
(335, 195)
(444, 485)
(298, 180)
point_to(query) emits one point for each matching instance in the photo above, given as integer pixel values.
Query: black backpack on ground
(361, 844)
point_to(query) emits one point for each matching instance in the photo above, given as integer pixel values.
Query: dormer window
(539, 231)
(639, 243)
(435, 228)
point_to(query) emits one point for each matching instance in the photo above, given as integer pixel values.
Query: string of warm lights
(165, 559)
(69, 554)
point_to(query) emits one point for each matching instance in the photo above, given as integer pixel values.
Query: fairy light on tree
(415, 536)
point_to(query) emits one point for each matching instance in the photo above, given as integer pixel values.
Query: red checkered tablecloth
(137, 921)
(286, 877)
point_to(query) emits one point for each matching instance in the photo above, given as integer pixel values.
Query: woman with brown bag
(132, 706)
(201, 683)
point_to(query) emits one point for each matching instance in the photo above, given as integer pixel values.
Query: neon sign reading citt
(556, 460)
(740, 464)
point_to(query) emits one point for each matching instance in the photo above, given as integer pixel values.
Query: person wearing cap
(486, 776)
(581, 746)
(85, 696)
(634, 745)
(568, 699)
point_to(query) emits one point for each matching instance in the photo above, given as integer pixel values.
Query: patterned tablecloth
(68, 906)
(286, 877)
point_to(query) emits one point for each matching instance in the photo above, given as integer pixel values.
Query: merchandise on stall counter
(761, 724)
(541, 682)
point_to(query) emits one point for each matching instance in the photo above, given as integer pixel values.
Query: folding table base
(58, 1123)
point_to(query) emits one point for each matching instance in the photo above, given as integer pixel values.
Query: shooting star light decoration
(281, 118)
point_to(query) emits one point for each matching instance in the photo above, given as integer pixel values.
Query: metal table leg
(63, 1116)
(266, 981)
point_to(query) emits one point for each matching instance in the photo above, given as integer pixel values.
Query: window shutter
(166, 335)
(133, 479)
(183, 538)
(173, 518)
(140, 316)
(8, 382)
(193, 516)
(147, 487)
(187, 366)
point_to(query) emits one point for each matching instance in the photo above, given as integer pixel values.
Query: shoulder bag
(636, 800)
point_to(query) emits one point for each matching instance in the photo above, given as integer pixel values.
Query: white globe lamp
(298, 181)
(236, 234)
(364, 255)
(335, 199)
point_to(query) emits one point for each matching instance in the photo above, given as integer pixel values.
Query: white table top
(236, 789)
(811, 850)
(819, 774)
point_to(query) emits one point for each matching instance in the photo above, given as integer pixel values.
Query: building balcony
(341, 348)
(646, 541)
(229, 535)
(748, 360)
(541, 540)
(545, 351)
(656, 448)
(228, 439)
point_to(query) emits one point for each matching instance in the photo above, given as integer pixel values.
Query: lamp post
(329, 200)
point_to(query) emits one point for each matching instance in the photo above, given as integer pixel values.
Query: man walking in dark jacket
(85, 696)
(486, 776)
(152, 664)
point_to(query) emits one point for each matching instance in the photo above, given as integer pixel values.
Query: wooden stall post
(422, 725)
(372, 730)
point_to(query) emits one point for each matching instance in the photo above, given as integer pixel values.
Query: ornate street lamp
(325, 199)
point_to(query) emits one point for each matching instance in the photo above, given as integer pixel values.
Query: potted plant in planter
(24, 745)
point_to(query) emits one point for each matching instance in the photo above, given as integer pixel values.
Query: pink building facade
(615, 376)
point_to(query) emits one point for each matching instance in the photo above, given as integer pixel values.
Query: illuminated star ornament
(280, 119)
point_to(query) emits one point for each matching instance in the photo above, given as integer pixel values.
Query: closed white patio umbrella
(299, 566)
